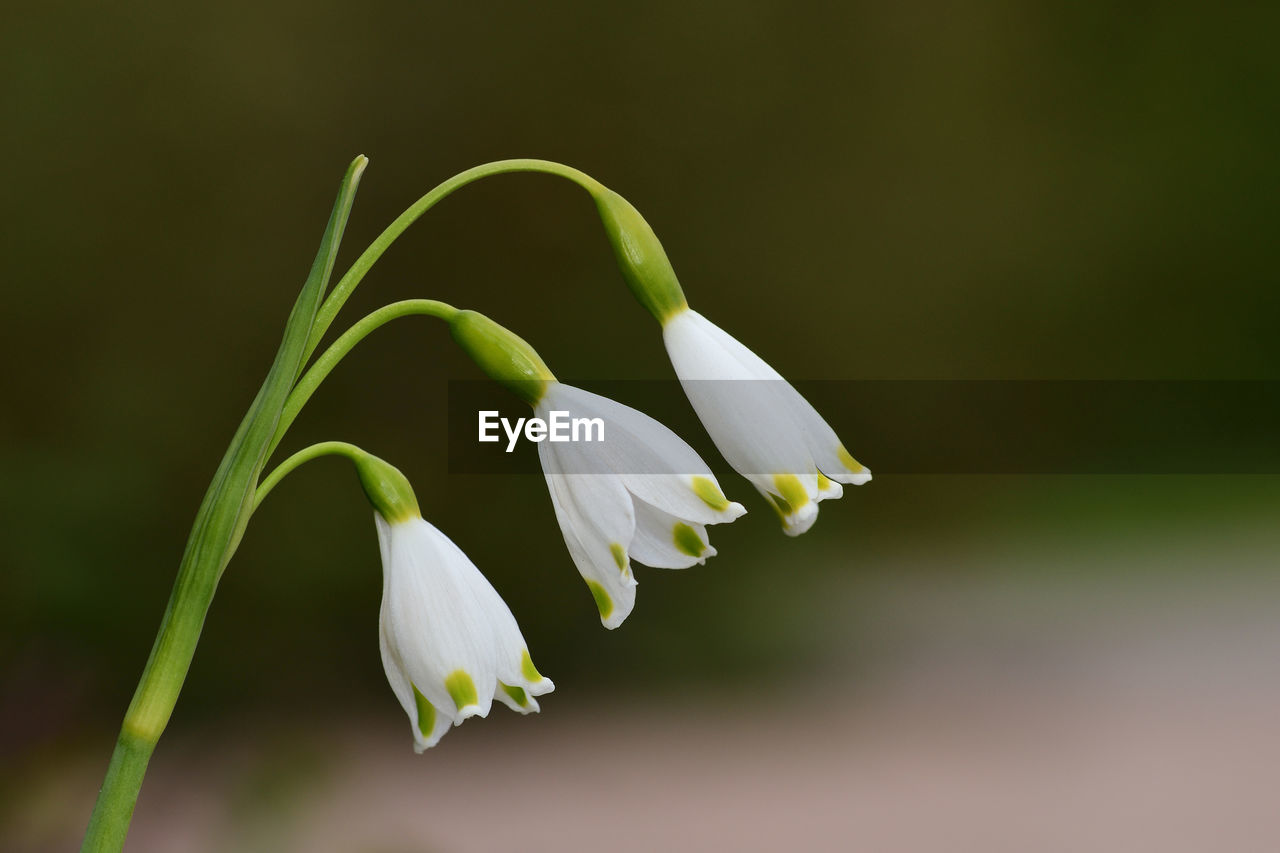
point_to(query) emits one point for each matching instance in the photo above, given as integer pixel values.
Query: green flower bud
(640, 256)
(502, 354)
(388, 490)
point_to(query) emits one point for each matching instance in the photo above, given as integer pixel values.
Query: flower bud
(501, 354)
(640, 256)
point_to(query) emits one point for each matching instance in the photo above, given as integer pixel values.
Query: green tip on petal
(619, 555)
(603, 602)
(791, 491)
(687, 540)
(528, 670)
(462, 689)
(517, 694)
(705, 488)
(848, 461)
(426, 713)
(823, 482)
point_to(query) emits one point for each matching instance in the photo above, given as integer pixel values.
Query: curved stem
(311, 380)
(315, 451)
(344, 288)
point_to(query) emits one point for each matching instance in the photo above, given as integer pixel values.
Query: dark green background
(862, 191)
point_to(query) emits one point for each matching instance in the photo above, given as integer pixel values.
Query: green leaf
(228, 503)
(219, 524)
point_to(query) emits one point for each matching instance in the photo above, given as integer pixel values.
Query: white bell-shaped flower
(761, 424)
(449, 642)
(639, 493)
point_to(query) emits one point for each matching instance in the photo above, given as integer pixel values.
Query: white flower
(642, 493)
(449, 642)
(762, 426)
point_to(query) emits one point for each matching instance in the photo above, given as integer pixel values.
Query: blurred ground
(1008, 713)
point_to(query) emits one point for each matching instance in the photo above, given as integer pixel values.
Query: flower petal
(596, 517)
(437, 617)
(654, 463)
(761, 424)
(664, 541)
(445, 635)
(516, 698)
(429, 724)
(828, 452)
(828, 488)
(396, 677)
(739, 399)
(708, 352)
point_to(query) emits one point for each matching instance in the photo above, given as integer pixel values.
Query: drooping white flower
(642, 493)
(762, 426)
(449, 642)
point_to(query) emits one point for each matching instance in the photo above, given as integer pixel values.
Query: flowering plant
(449, 643)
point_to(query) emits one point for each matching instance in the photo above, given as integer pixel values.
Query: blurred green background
(921, 190)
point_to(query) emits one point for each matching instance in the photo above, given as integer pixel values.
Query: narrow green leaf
(227, 504)
(218, 526)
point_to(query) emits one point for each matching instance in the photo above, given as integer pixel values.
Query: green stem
(328, 360)
(344, 288)
(387, 489)
(114, 809)
(315, 451)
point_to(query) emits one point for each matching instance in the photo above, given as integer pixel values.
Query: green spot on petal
(781, 507)
(619, 555)
(792, 491)
(461, 688)
(705, 488)
(517, 694)
(823, 482)
(426, 713)
(528, 670)
(687, 540)
(603, 602)
(848, 461)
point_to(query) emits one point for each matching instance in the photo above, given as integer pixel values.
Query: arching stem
(344, 288)
(328, 360)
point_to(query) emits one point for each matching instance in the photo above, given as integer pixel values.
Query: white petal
(823, 444)
(761, 424)
(664, 541)
(396, 677)
(391, 662)
(514, 666)
(440, 725)
(516, 698)
(829, 489)
(438, 613)
(795, 499)
(697, 498)
(654, 463)
(828, 452)
(596, 517)
(445, 634)
(711, 353)
(739, 399)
